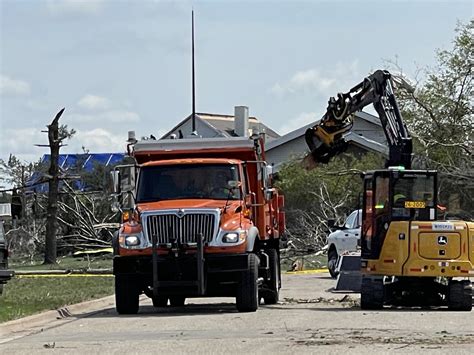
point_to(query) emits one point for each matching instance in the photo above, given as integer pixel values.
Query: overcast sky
(125, 65)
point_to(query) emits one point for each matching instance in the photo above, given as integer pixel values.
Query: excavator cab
(391, 195)
(408, 257)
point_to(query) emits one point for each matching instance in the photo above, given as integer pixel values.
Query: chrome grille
(169, 227)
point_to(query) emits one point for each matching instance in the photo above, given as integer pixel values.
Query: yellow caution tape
(95, 251)
(63, 275)
(313, 271)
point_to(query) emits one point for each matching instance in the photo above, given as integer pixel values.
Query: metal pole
(200, 265)
(193, 77)
(154, 252)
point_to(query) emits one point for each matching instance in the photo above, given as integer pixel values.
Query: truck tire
(460, 295)
(126, 294)
(247, 290)
(371, 293)
(160, 301)
(271, 295)
(177, 301)
(332, 262)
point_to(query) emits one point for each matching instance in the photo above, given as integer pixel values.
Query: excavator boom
(326, 139)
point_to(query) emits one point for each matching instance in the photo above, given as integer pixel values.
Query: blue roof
(70, 162)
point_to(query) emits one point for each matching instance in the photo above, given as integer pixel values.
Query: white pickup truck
(343, 239)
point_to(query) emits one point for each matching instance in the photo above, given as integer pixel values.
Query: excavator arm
(326, 139)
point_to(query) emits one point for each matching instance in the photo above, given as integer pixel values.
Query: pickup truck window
(193, 181)
(350, 221)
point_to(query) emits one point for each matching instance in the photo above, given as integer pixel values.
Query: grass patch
(25, 296)
(309, 262)
(63, 263)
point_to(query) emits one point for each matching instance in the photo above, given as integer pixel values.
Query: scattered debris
(49, 345)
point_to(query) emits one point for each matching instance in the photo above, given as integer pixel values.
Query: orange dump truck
(205, 222)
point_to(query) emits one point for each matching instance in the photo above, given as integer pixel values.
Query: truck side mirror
(269, 193)
(269, 171)
(268, 175)
(115, 178)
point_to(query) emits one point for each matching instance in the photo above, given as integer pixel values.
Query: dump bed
(165, 149)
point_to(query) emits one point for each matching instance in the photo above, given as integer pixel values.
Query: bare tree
(56, 135)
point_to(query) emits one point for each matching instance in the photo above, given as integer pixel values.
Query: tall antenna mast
(193, 78)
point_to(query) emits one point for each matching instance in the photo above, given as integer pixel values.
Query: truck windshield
(193, 181)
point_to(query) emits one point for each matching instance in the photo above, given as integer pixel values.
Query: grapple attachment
(324, 142)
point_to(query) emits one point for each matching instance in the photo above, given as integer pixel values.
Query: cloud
(82, 7)
(109, 116)
(13, 87)
(93, 102)
(316, 81)
(93, 110)
(21, 143)
(299, 121)
(97, 140)
(100, 140)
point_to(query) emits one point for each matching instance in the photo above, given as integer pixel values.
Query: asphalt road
(309, 319)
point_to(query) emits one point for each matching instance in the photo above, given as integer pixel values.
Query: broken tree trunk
(53, 185)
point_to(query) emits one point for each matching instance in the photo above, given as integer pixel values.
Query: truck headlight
(132, 240)
(232, 237)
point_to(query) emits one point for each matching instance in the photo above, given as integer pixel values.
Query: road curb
(36, 323)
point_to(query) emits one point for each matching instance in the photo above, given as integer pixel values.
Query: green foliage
(439, 115)
(341, 177)
(65, 132)
(327, 192)
(26, 296)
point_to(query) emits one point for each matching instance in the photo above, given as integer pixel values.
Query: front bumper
(190, 275)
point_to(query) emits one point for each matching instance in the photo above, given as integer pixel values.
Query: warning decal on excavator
(415, 204)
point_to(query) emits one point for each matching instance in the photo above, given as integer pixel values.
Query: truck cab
(204, 221)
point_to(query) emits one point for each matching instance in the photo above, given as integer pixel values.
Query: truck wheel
(177, 301)
(126, 294)
(160, 301)
(272, 294)
(371, 293)
(460, 295)
(247, 290)
(332, 263)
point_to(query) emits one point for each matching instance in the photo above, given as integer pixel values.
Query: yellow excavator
(408, 257)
